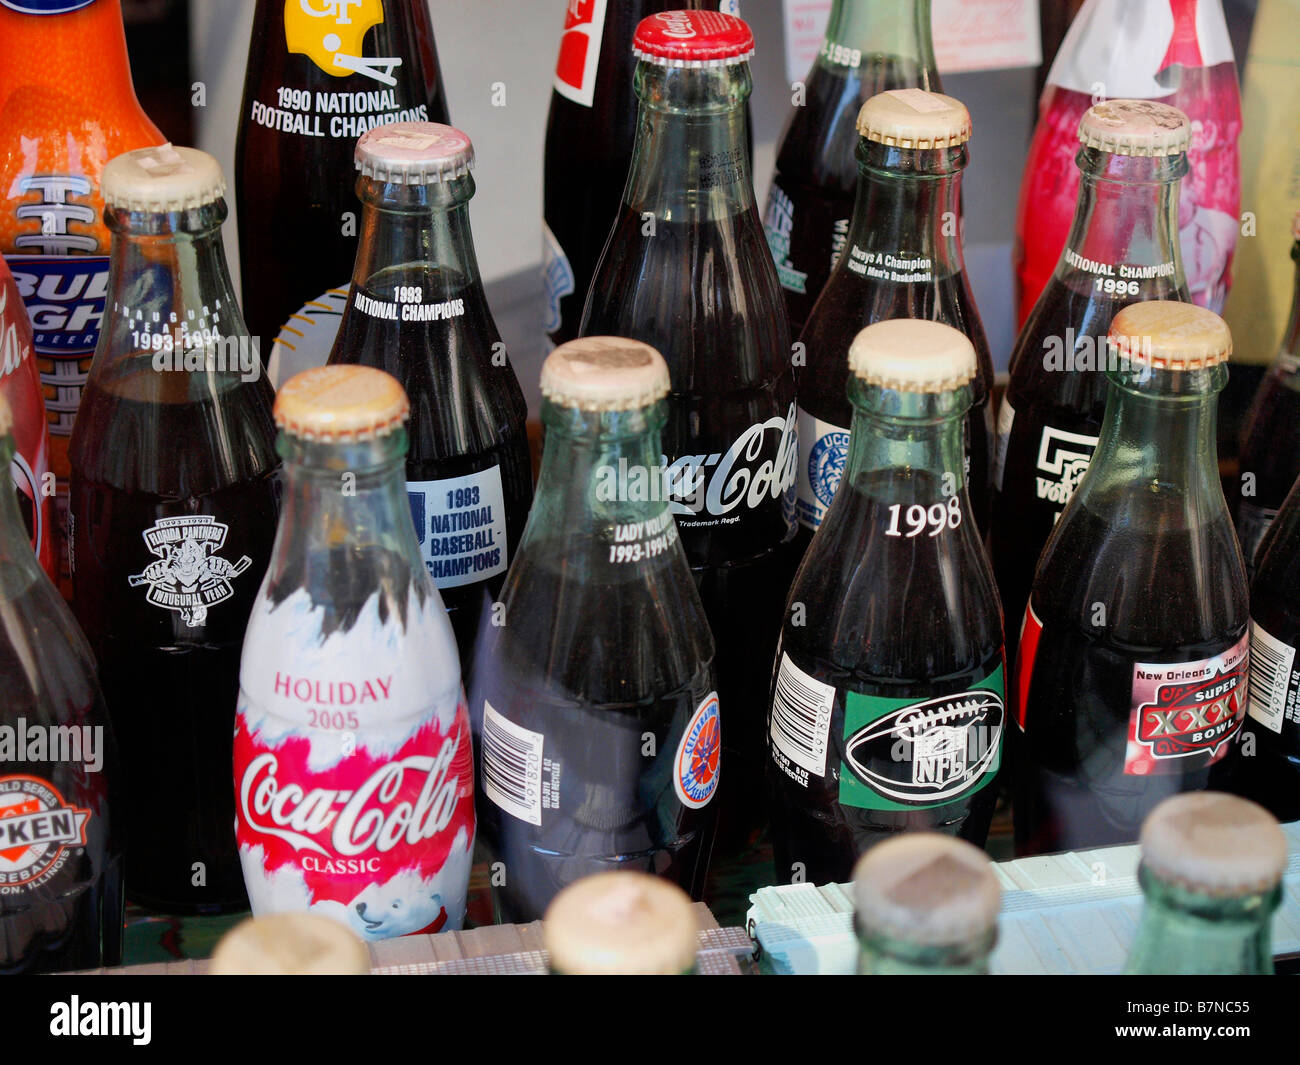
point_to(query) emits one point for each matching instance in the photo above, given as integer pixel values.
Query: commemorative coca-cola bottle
(60, 839)
(1123, 247)
(594, 703)
(20, 384)
(353, 771)
(888, 699)
(320, 73)
(174, 499)
(417, 310)
(1131, 678)
(870, 46)
(687, 270)
(1270, 442)
(903, 259)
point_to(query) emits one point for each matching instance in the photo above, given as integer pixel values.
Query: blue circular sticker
(826, 464)
(699, 755)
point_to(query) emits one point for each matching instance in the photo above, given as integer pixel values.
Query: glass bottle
(1123, 247)
(925, 905)
(417, 310)
(1131, 679)
(904, 260)
(1211, 875)
(888, 699)
(870, 46)
(594, 701)
(174, 501)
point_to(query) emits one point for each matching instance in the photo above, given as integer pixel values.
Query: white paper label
(801, 722)
(512, 766)
(1270, 677)
(461, 525)
(823, 454)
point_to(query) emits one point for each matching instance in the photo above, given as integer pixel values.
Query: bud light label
(579, 59)
(696, 767)
(45, 7)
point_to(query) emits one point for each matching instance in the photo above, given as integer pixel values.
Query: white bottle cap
(1135, 127)
(604, 374)
(1214, 844)
(414, 153)
(914, 118)
(337, 403)
(162, 179)
(1167, 335)
(290, 944)
(913, 355)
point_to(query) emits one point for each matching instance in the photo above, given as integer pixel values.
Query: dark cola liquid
(294, 187)
(1270, 457)
(168, 638)
(893, 650)
(1168, 592)
(607, 762)
(468, 419)
(811, 202)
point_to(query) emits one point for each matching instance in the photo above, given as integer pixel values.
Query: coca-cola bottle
(870, 46)
(354, 777)
(1122, 248)
(594, 704)
(174, 499)
(1131, 677)
(903, 260)
(687, 270)
(1270, 442)
(60, 838)
(888, 699)
(319, 75)
(417, 310)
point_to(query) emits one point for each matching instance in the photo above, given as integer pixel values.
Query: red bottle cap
(693, 39)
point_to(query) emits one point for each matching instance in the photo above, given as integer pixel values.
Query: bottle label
(1274, 690)
(800, 722)
(512, 768)
(1006, 419)
(557, 279)
(823, 456)
(1031, 629)
(778, 224)
(1252, 523)
(696, 768)
(637, 541)
(189, 575)
(353, 767)
(38, 831)
(760, 466)
(579, 58)
(1185, 710)
(307, 338)
(900, 754)
(1063, 459)
(1119, 279)
(45, 7)
(460, 523)
(331, 33)
(894, 267)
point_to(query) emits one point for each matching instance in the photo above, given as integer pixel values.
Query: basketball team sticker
(695, 770)
(38, 831)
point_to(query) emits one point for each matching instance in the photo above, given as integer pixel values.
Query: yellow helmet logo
(330, 33)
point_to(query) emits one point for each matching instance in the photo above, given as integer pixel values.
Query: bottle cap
(604, 373)
(914, 118)
(163, 178)
(414, 153)
(1166, 335)
(6, 417)
(926, 889)
(1135, 127)
(623, 923)
(335, 403)
(693, 39)
(290, 944)
(913, 355)
(1214, 844)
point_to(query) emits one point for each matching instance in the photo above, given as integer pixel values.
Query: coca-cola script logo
(761, 465)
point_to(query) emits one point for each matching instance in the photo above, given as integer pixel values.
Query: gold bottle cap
(604, 374)
(290, 944)
(414, 153)
(1135, 127)
(163, 178)
(912, 355)
(1214, 844)
(336, 403)
(927, 889)
(914, 118)
(621, 924)
(1166, 335)
(6, 416)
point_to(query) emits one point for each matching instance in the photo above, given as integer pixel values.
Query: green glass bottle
(1211, 872)
(925, 905)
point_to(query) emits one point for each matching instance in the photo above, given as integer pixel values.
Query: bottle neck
(907, 215)
(877, 34)
(690, 161)
(884, 955)
(18, 565)
(1182, 932)
(1123, 242)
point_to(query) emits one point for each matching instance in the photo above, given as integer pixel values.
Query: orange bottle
(67, 106)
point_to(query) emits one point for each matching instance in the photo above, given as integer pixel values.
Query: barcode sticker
(801, 717)
(1270, 677)
(512, 766)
